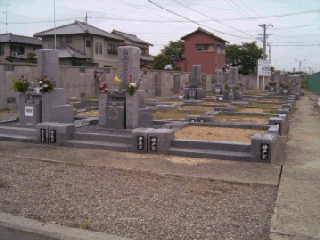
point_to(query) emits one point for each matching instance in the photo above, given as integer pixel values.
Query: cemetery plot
(217, 134)
(216, 103)
(251, 119)
(250, 110)
(6, 114)
(257, 104)
(90, 113)
(197, 108)
(173, 114)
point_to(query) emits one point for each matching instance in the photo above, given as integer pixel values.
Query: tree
(31, 58)
(169, 54)
(244, 56)
(160, 61)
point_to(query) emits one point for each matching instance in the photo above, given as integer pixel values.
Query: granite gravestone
(193, 91)
(218, 85)
(125, 111)
(232, 93)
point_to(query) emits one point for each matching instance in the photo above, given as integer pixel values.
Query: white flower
(40, 82)
(45, 85)
(133, 85)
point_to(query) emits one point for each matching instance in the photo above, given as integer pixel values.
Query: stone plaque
(195, 77)
(140, 143)
(233, 76)
(279, 127)
(202, 120)
(43, 136)
(265, 151)
(285, 91)
(231, 95)
(219, 77)
(192, 120)
(218, 90)
(153, 144)
(53, 136)
(113, 113)
(28, 111)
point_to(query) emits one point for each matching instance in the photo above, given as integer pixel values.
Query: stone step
(215, 154)
(117, 138)
(214, 145)
(19, 138)
(121, 147)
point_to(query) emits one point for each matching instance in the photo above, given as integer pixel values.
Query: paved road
(297, 211)
(12, 234)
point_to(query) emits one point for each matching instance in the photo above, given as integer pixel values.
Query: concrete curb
(52, 230)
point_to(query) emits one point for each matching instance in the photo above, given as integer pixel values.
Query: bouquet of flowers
(46, 85)
(96, 76)
(132, 86)
(20, 84)
(103, 87)
(272, 84)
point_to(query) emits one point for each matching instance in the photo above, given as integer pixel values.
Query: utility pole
(86, 18)
(269, 52)
(300, 62)
(264, 26)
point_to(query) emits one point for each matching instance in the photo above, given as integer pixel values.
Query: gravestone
(35, 108)
(232, 93)
(118, 109)
(218, 85)
(193, 91)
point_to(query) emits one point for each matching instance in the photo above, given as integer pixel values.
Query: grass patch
(5, 110)
(47, 184)
(22, 173)
(173, 114)
(3, 183)
(316, 105)
(255, 104)
(240, 109)
(92, 98)
(273, 110)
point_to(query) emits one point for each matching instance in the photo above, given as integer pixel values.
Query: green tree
(31, 58)
(169, 54)
(160, 61)
(244, 56)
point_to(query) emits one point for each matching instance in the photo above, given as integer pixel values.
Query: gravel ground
(135, 204)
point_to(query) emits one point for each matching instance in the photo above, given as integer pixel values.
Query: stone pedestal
(103, 102)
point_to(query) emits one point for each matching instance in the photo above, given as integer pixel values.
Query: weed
(47, 184)
(3, 183)
(270, 110)
(222, 114)
(250, 103)
(240, 109)
(87, 223)
(22, 173)
(316, 105)
(72, 164)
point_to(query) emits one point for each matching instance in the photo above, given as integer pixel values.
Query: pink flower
(130, 73)
(102, 91)
(47, 79)
(25, 79)
(106, 89)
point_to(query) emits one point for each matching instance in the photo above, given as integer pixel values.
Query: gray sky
(295, 22)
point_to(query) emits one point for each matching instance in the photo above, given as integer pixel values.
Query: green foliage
(20, 85)
(304, 85)
(168, 55)
(87, 223)
(160, 61)
(250, 103)
(3, 183)
(270, 110)
(272, 84)
(244, 56)
(226, 86)
(31, 58)
(199, 83)
(47, 184)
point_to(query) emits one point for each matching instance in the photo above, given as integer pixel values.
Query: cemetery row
(125, 121)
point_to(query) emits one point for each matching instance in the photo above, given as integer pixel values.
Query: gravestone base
(218, 90)
(103, 102)
(54, 133)
(193, 93)
(32, 114)
(263, 147)
(272, 88)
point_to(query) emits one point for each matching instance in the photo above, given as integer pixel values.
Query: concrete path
(297, 211)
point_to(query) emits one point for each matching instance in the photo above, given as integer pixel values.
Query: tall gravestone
(46, 107)
(193, 91)
(232, 93)
(125, 111)
(219, 81)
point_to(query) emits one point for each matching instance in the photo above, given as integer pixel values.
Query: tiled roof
(8, 37)
(146, 58)
(64, 52)
(77, 28)
(201, 30)
(129, 37)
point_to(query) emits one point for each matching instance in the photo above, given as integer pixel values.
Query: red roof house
(202, 48)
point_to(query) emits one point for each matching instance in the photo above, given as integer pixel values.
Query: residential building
(88, 44)
(202, 48)
(146, 60)
(13, 46)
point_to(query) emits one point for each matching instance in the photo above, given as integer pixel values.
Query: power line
(280, 15)
(192, 20)
(212, 18)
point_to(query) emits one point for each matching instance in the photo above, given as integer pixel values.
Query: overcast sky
(295, 22)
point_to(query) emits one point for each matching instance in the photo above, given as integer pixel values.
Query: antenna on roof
(86, 18)
(55, 34)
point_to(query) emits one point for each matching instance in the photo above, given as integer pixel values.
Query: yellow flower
(117, 80)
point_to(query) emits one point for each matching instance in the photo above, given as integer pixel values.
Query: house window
(205, 48)
(11, 100)
(66, 39)
(16, 49)
(221, 50)
(143, 51)
(98, 48)
(112, 48)
(88, 43)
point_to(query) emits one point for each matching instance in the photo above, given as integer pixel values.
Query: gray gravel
(135, 204)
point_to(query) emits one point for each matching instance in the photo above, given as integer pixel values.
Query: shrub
(20, 84)
(226, 86)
